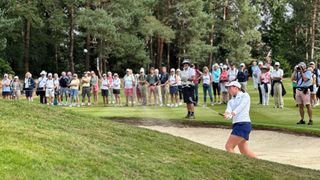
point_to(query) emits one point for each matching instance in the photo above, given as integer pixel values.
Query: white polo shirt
(240, 105)
(187, 74)
(277, 73)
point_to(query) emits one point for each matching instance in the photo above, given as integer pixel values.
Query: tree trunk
(56, 57)
(306, 42)
(87, 61)
(313, 28)
(211, 43)
(71, 39)
(161, 51)
(151, 52)
(158, 51)
(27, 45)
(168, 54)
(225, 10)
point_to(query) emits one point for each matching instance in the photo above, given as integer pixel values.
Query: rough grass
(39, 142)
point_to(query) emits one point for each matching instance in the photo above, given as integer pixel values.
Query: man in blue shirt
(303, 93)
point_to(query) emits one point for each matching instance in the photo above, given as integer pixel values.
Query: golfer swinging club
(238, 109)
(187, 78)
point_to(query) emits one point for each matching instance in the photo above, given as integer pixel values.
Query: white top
(240, 105)
(104, 84)
(277, 73)
(187, 74)
(206, 79)
(42, 82)
(128, 81)
(116, 83)
(56, 83)
(49, 84)
(232, 74)
(172, 80)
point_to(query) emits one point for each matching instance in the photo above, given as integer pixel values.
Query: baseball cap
(172, 70)
(234, 83)
(242, 64)
(260, 63)
(225, 67)
(312, 63)
(277, 64)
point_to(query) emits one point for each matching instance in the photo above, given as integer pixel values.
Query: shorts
(302, 98)
(74, 92)
(128, 92)
(104, 92)
(86, 91)
(64, 90)
(6, 93)
(173, 89)
(188, 94)
(116, 91)
(28, 92)
(49, 92)
(242, 129)
(57, 92)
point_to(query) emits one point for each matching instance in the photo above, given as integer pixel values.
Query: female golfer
(238, 109)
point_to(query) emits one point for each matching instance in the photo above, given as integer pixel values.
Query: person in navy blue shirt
(243, 76)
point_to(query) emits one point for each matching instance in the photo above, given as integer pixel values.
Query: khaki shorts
(303, 98)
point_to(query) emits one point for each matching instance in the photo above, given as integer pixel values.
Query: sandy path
(283, 148)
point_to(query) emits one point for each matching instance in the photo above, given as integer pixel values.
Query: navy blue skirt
(242, 129)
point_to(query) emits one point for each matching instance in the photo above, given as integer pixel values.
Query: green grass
(262, 117)
(39, 142)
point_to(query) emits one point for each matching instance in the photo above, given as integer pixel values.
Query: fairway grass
(40, 142)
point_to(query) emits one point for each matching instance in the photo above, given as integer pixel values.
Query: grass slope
(38, 142)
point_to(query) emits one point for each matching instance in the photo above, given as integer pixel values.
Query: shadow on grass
(182, 123)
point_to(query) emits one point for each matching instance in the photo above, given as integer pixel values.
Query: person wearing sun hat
(238, 109)
(276, 77)
(116, 89)
(40, 88)
(187, 77)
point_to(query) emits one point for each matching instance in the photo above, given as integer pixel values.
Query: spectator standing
(243, 76)
(6, 87)
(164, 79)
(173, 88)
(142, 85)
(223, 82)
(116, 89)
(74, 91)
(110, 79)
(16, 88)
(206, 85)
(196, 81)
(86, 89)
(187, 77)
(179, 83)
(128, 86)
(265, 79)
(40, 89)
(276, 77)
(57, 90)
(159, 95)
(49, 88)
(28, 86)
(152, 81)
(94, 84)
(64, 82)
(303, 93)
(232, 73)
(255, 69)
(216, 72)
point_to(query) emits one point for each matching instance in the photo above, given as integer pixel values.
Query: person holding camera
(303, 93)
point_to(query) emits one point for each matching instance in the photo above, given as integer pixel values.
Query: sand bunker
(283, 148)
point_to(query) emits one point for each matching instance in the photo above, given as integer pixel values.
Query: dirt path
(268, 145)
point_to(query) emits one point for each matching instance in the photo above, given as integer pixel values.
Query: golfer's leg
(244, 149)
(232, 142)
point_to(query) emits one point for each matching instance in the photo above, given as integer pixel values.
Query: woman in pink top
(223, 82)
(265, 85)
(110, 79)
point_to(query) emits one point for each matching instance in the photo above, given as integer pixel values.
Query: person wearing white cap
(232, 73)
(187, 77)
(16, 88)
(6, 89)
(173, 88)
(40, 87)
(265, 85)
(49, 88)
(243, 76)
(238, 110)
(28, 86)
(216, 72)
(152, 81)
(223, 82)
(276, 77)
(257, 74)
(116, 89)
